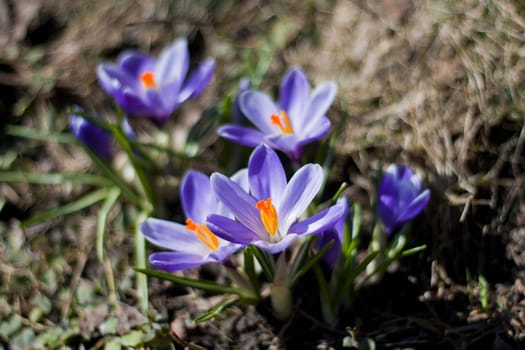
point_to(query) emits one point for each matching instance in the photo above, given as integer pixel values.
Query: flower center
(204, 234)
(268, 215)
(148, 80)
(282, 122)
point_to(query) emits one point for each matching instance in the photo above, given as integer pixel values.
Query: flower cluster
(266, 208)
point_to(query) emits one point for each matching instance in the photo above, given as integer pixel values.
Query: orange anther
(204, 234)
(282, 122)
(148, 80)
(268, 214)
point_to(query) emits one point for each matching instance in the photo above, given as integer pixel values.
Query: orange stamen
(204, 234)
(282, 122)
(268, 215)
(148, 80)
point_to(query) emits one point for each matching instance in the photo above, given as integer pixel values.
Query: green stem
(140, 262)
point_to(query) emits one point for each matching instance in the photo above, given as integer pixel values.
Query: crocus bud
(400, 197)
(94, 137)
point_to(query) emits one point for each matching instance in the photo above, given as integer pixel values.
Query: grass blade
(205, 285)
(53, 178)
(84, 202)
(39, 134)
(102, 219)
(140, 261)
(216, 310)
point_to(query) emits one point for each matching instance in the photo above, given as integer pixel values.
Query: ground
(439, 85)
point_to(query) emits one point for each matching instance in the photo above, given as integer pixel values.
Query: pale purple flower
(95, 138)
(335, 234)
(400, 197)
(297, 119)
(145, 86)
(267, 215)
(191, 244)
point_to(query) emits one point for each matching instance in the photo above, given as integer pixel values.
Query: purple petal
(241, 178)
(415, 207)
(224, 251)
(387, 213)
(320, 222)
(198, 81)
(198, 200)
(97, 139)
(155, 103)
(176, 261)
(320, 131)
(277, 247)
(135, 63)
(114, 80)
(240, 203)
(258, 108)
(173, 62)
(231, 230)
(241, 135)
(266, 175)
(128, 129)
(173, 236)
(288, 144)
(293, 96)
(299, 193)
(403, 173)
(331, 256)
(318, 105)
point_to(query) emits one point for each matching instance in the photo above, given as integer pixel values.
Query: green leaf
(125, 144)
(9, 327)
(53, 178)
(356, 221)
(113, 344)
(205, 285)
(132, 338)
(84, 202)
(140, 261)
(311, 262)
(483, 291)
(111, 175)
(414, 250)
(249, 268)
(266, 261)
(102, 219)
(361, 267)
(40, 135)
(40, 306)
(109, 326)
(215, 311)
(301, 256)
(324, 292)
(24, 338)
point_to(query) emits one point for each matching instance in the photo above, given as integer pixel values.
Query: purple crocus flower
(400, 197)
(192, 244)
(335, 234)
(267, 216)
(297, 119)
(145, 86)
(94, 137)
